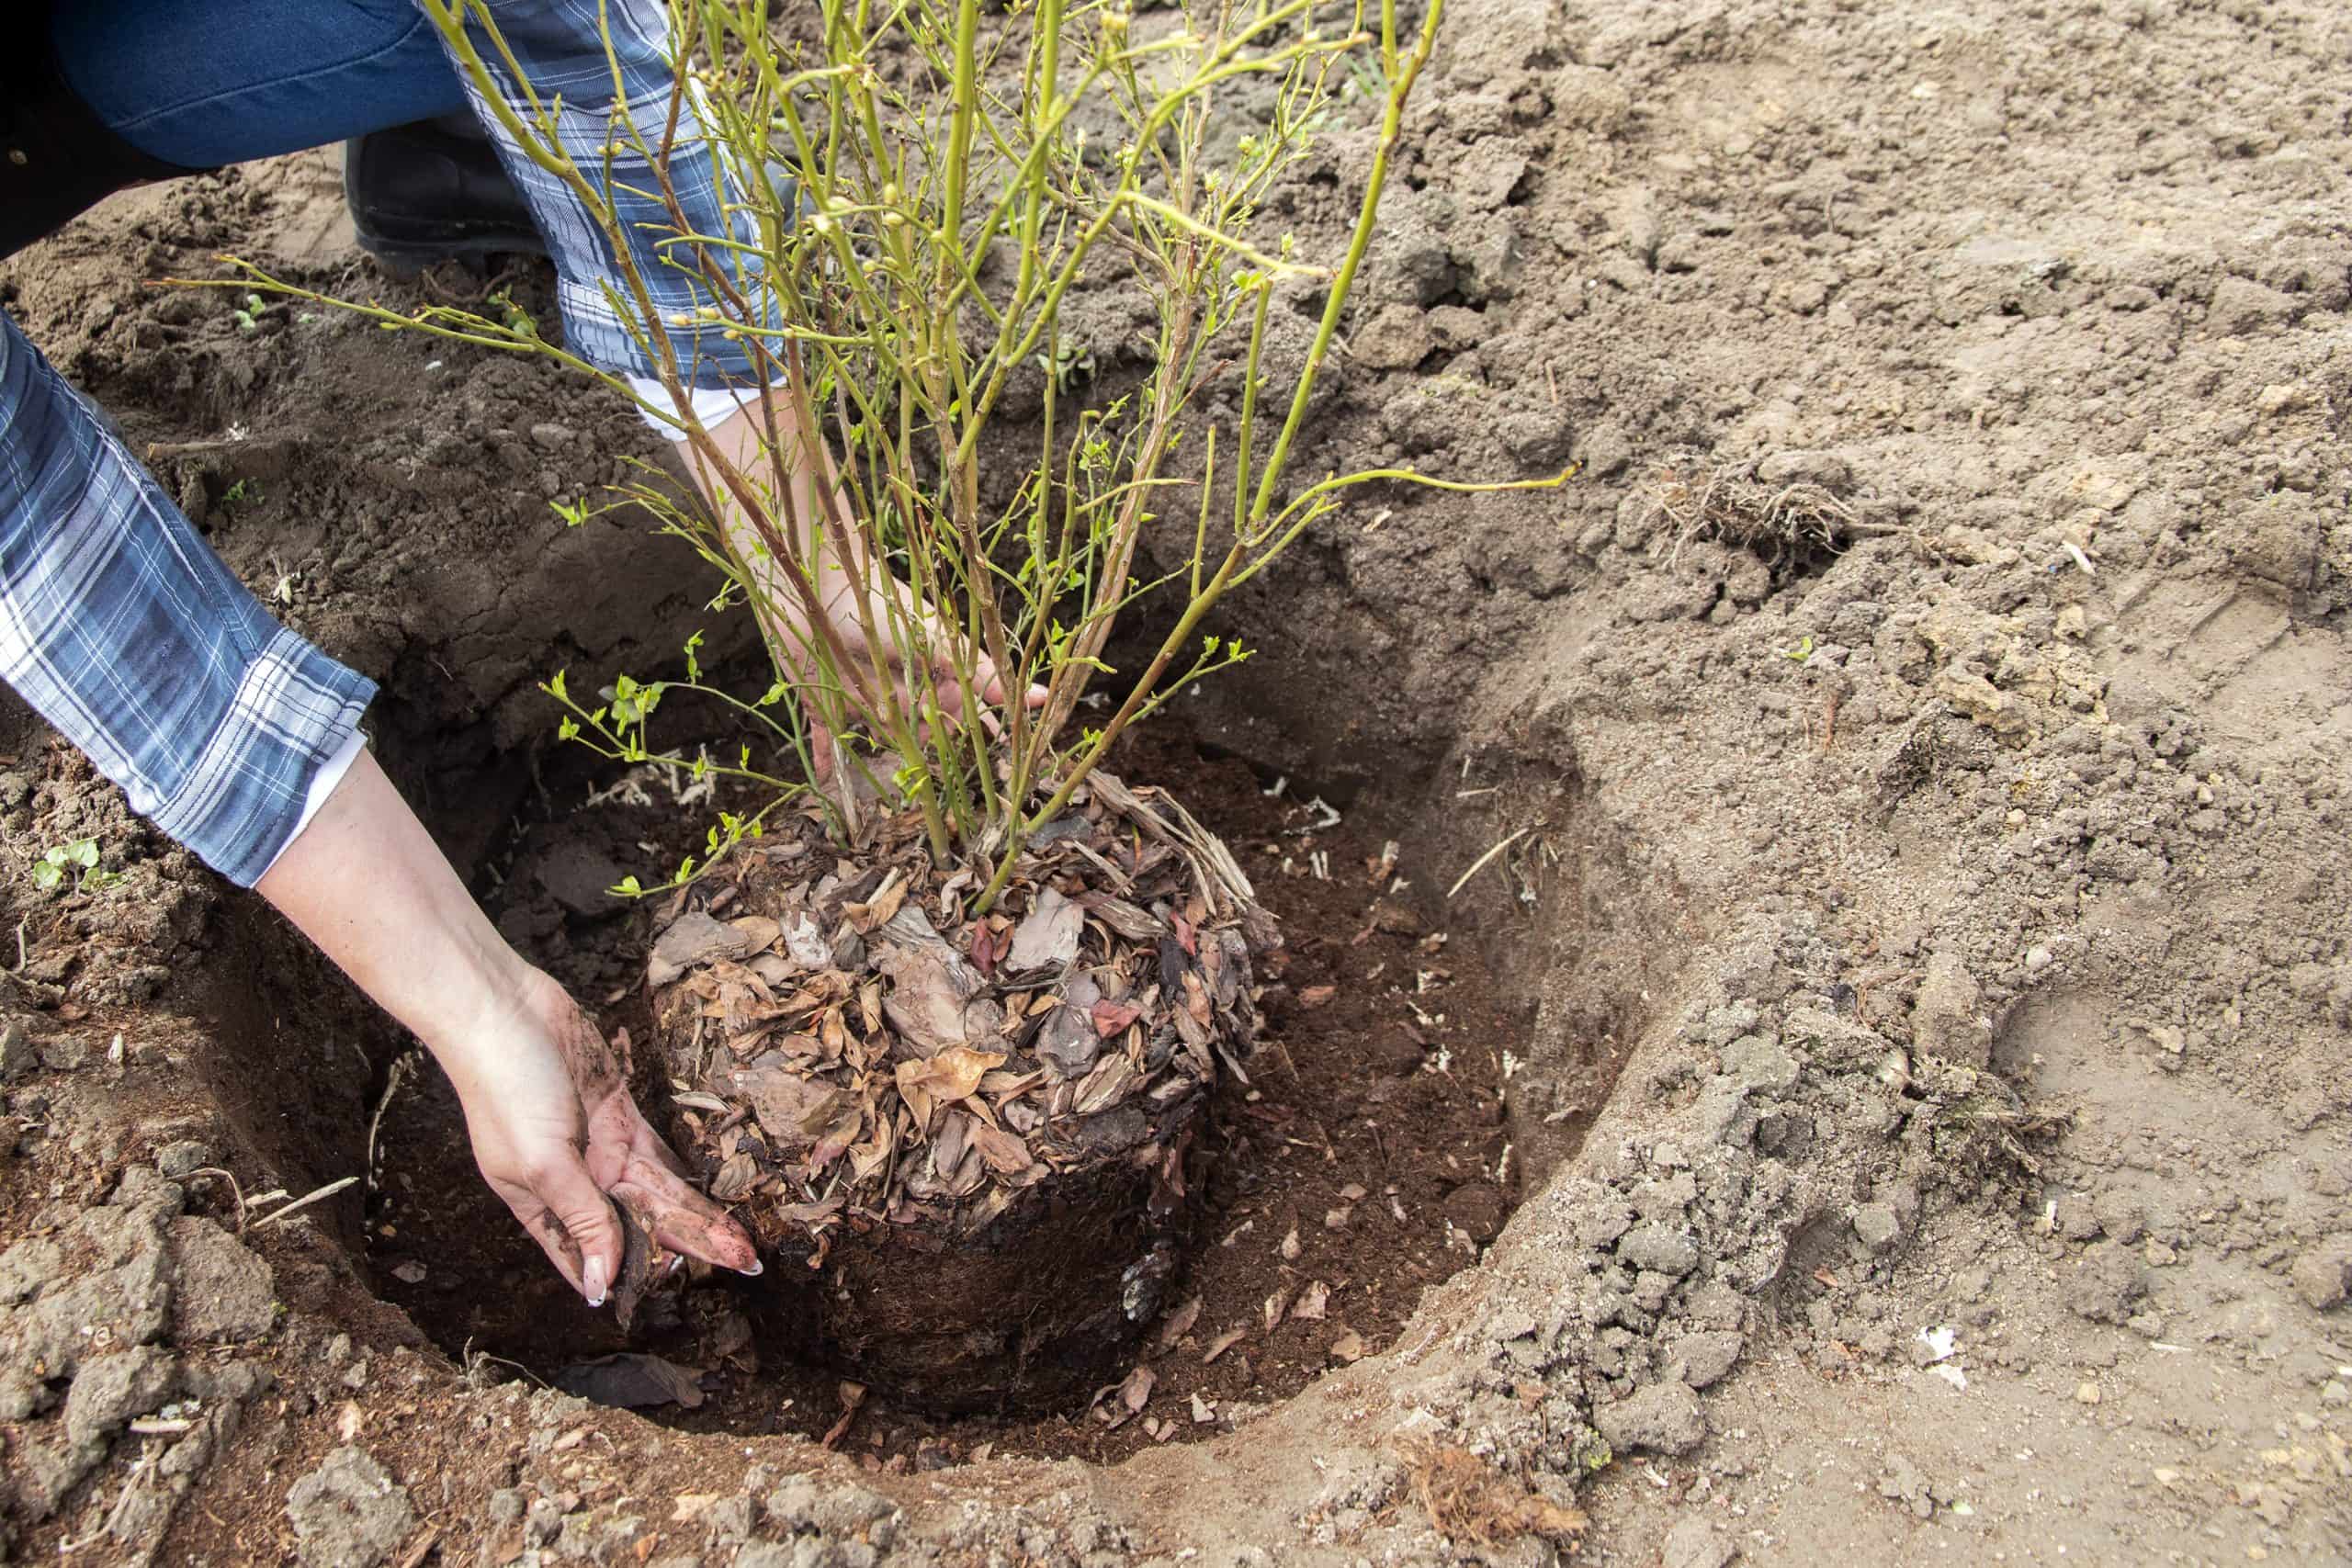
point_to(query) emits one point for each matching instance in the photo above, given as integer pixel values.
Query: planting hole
(1365, 1161)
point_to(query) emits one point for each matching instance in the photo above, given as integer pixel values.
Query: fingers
(576, 1229)
(685, 1221)
(993, 692)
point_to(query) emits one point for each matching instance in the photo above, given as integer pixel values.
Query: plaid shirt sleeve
(123, 628)
(129, 636)
(560, 47)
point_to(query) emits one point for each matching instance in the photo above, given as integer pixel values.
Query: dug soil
(1365, 1160)
(1905, 772)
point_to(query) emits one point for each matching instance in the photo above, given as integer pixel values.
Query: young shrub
(964, 1066)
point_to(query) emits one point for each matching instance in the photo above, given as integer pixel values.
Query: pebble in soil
(1358, 1168)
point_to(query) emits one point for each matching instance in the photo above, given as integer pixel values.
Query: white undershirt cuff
(711, 404)
(322, 784)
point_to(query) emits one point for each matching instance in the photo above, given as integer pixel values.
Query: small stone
(1943, 1015)
(1827, 469)
(1664, 1418)
(2087, 1394)
(2285, 397)
(64, 1053)
(2323, 1275)
(1760, 1065)
(2242, 306)
(348, 1513)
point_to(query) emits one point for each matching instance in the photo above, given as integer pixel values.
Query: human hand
(559, 1140)
(919, 655)
(546, 1104)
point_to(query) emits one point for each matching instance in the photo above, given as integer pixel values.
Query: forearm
(367, 885)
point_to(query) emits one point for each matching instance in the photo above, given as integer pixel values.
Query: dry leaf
(930, 987)
(837, 1138)
(736, 1178)
(1005, 1152)
(631, 1380)
(1347, 1349)
(946, 1078)
(693, 937)
(759, 932)
(1110, 1018)
(1180, 1323)
(689, 1505)
(1137, 1389)
(1048, 936)
(1105, 1087)
(1221, 1343)
(1290, 1247)
(1311, 1302)
(792, 1110)
(1276, 1305)
(1315, 995)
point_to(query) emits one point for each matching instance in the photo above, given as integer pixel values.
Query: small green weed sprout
(956, 172)
(248, 315)
(75, 861)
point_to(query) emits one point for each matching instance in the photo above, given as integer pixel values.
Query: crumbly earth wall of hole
(1960, 901)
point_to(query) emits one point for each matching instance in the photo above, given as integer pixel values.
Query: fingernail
(675, 1264)
(593, 1278)
(754, 1271)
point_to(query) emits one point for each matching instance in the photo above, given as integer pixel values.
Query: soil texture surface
(1881, 1093)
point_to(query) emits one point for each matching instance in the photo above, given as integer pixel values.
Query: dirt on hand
(1893, 803)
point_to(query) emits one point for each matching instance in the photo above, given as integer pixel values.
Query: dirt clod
(1663, 1417)
(222, 1289)
(348, 1513)
(2323, 1273)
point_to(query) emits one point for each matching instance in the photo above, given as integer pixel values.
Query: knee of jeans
(201, 83)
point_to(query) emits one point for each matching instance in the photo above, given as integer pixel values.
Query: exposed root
(1468, 1499)
(1732, 504)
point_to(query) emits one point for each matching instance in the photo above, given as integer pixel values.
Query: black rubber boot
(435, 191)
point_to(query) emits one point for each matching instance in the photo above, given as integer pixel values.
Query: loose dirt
(1918, 741)
(1365, 1157)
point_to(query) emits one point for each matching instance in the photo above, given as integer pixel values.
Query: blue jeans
(201, 83)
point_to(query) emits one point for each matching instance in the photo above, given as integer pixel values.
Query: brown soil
(1375, 1098)
(1922, 726)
